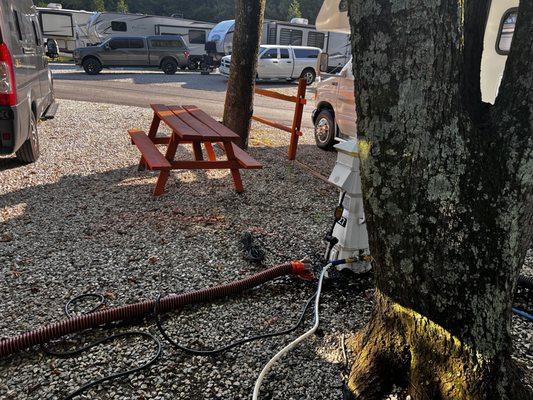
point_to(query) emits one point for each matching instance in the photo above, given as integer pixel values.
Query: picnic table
(189, 125)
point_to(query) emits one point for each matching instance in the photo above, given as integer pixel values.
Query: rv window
(290, 37)
(196, 37)
(119, 44)
(136, 44)
(17, 24)
(284, 53)
(165, 43)
(119, 26)
(315, 39)
(56, 24)
(270, 53)
(505, 35)
(36, 33)
(306, 53)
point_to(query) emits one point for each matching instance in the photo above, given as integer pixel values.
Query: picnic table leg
(235, 173)
(210, 151)
(197, 148)
(151, 134)
(169, 155)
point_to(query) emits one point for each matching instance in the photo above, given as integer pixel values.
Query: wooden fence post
(297, 121)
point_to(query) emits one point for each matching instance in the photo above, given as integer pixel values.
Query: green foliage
(294, 10)
(122, 6)
(202, 10)
(98, 5)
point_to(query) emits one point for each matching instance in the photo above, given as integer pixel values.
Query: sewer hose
(143, 309)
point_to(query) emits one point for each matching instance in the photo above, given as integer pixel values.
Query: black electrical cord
(252, 252)
(107, 339)
(203, 352)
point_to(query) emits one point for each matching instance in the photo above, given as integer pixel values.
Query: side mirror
(107, 46)
(323, 62)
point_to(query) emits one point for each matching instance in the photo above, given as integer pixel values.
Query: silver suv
(334, 115)
(26, 89)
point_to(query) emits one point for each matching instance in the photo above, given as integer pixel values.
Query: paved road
(140, 88)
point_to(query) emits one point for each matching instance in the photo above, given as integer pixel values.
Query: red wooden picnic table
(189, 125)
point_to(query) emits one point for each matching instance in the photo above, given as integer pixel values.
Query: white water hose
(293, 344)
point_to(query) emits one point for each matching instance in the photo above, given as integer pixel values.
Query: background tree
(122, 6)
(238, 108)
(98, 5)
(448, 192)
(294, 10)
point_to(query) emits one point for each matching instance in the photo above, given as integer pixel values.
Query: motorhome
(297, 32)
(107, 24)
(67, 27)
(334, 115)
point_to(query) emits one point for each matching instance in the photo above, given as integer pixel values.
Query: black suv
(168, 52)
(26, 87)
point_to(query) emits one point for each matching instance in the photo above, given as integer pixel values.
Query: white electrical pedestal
(350, 230)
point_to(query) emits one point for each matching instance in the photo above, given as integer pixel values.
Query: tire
(169, 66)
(92, 66)
(309, 75)
(325, 130)
(29, 152)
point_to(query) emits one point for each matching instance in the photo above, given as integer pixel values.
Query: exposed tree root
(404, 348)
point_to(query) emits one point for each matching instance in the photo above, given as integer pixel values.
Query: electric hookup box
(349, 232)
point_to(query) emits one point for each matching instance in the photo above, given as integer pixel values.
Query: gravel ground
(83, 220)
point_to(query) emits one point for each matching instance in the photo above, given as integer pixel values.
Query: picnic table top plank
(202, 129)
(182, 129)
(206, 119)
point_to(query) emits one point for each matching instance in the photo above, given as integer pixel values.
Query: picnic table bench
(189, 125)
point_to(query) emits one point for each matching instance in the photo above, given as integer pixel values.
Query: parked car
(282, 62)
(167, 52)
(26, 87)
(334, 114)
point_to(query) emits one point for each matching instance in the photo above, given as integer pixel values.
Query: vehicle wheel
(309, 75)
(29, 152)
(325, 130)
(92, 66)
(169, 66)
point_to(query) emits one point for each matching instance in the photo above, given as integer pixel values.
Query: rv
(297, 32)
(67, 27)
(104, 25)
(334, 114)
(499, 30)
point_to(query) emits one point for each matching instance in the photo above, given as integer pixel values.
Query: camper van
(26, 87)
(297, 32)
(334, 115)
(194, 33)
(67, 27)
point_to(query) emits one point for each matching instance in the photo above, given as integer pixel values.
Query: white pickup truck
(282, 62)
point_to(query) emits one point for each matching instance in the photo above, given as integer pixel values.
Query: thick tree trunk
(238, 109)
(448, 191)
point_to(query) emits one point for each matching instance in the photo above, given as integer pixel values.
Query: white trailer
(297, 32)
(194, 33)
(333, 17)
(67, 27)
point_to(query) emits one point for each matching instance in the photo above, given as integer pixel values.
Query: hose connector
(302, 269)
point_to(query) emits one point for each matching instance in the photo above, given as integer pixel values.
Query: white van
(282, 62)
(334, 115)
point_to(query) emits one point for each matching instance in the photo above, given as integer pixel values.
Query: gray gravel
(82, 220)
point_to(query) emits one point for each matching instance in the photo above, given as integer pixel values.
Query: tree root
(404, 348)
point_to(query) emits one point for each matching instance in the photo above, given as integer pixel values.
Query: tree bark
(238, 109)
(448, 193)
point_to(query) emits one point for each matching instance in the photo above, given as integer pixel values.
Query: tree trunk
(448, 193)
(238, 109)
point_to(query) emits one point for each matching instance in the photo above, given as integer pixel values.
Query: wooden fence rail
(295, 129)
